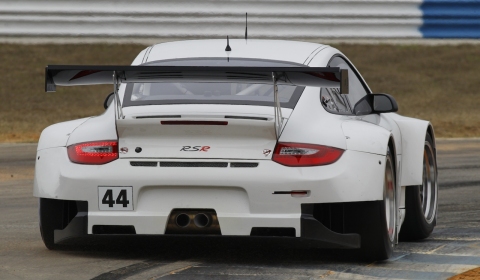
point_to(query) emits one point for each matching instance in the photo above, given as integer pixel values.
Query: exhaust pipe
(182, 220)
(201, 220)
(193, 221)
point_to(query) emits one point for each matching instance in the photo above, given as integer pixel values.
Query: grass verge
(436, 83)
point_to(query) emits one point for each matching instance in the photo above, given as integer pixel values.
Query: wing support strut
(277, 107)
(116, 87)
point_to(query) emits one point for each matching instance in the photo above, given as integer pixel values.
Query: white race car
(251, 138)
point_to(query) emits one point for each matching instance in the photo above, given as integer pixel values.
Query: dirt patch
(469, 275)
(436, 83)
(13, 173)
(25, 109)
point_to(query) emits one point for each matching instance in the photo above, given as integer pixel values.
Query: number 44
(121, 198)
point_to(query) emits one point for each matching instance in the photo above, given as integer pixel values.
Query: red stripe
(84, 73)
(194, 122)
(326, 76)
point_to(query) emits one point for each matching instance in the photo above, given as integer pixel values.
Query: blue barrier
(450, 19)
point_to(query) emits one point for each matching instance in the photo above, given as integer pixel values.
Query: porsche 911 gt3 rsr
(269, 138)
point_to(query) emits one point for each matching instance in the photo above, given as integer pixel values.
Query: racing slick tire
(375, 221)
(421, 201)
(50, 212)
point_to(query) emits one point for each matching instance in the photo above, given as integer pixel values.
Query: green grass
(436, 83)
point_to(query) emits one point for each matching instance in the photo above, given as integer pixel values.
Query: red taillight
(98, 152)
(297, 154)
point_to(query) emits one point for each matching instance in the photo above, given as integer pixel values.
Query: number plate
(115, 198)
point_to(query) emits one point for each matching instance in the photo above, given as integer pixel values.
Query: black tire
(419, 223)
(50, 212)
(370, 221)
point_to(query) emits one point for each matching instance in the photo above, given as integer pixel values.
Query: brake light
(297, 154)
(98, 152)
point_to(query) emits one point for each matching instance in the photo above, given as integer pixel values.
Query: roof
(292, 51)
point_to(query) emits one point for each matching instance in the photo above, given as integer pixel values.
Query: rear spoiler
(74, 75)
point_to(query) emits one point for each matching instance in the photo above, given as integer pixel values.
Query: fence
(266, 18)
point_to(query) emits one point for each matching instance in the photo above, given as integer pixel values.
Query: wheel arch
(395, 160)
(399, 190)
(392, 146)
(413, 132)
(432, 134)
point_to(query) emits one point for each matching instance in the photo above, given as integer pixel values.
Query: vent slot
(244, 164)
(160, 117)
(279, 232)
(247, 118)
(144, 163)
(104, 229)
(331, 215)
(194, 122)
(192, 164)
(70, 210)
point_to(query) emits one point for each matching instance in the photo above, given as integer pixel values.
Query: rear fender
(413, 133)
(57, 135)
(310, 123)
(366, 137)
(101, 127)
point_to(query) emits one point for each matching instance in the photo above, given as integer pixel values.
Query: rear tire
(50, 212)
(421, 201)
(375, 221)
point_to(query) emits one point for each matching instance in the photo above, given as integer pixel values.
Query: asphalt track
(454, 246)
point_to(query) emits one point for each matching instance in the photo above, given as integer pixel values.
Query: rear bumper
(242, 197)
(311, 229)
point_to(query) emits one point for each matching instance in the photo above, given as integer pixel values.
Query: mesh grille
(144, 163)
(244, 164)
(192, 164)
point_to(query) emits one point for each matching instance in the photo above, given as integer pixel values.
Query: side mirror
(375, 104)
(108, 100)
(384, 103)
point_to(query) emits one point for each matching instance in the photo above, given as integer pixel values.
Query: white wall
(212, 19)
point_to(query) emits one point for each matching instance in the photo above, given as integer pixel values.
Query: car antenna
(228, 49)
(246, 26)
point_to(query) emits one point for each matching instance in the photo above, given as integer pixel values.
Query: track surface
(454, 246)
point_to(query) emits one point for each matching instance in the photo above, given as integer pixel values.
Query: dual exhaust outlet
(193, 221)
(200, 220)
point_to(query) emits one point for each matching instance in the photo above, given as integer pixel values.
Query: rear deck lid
(209, 132)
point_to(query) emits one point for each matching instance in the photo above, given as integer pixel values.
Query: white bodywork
(242, 197)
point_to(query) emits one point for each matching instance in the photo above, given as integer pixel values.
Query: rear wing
(74, 75)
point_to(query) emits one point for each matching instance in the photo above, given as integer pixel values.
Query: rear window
(212, 93)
